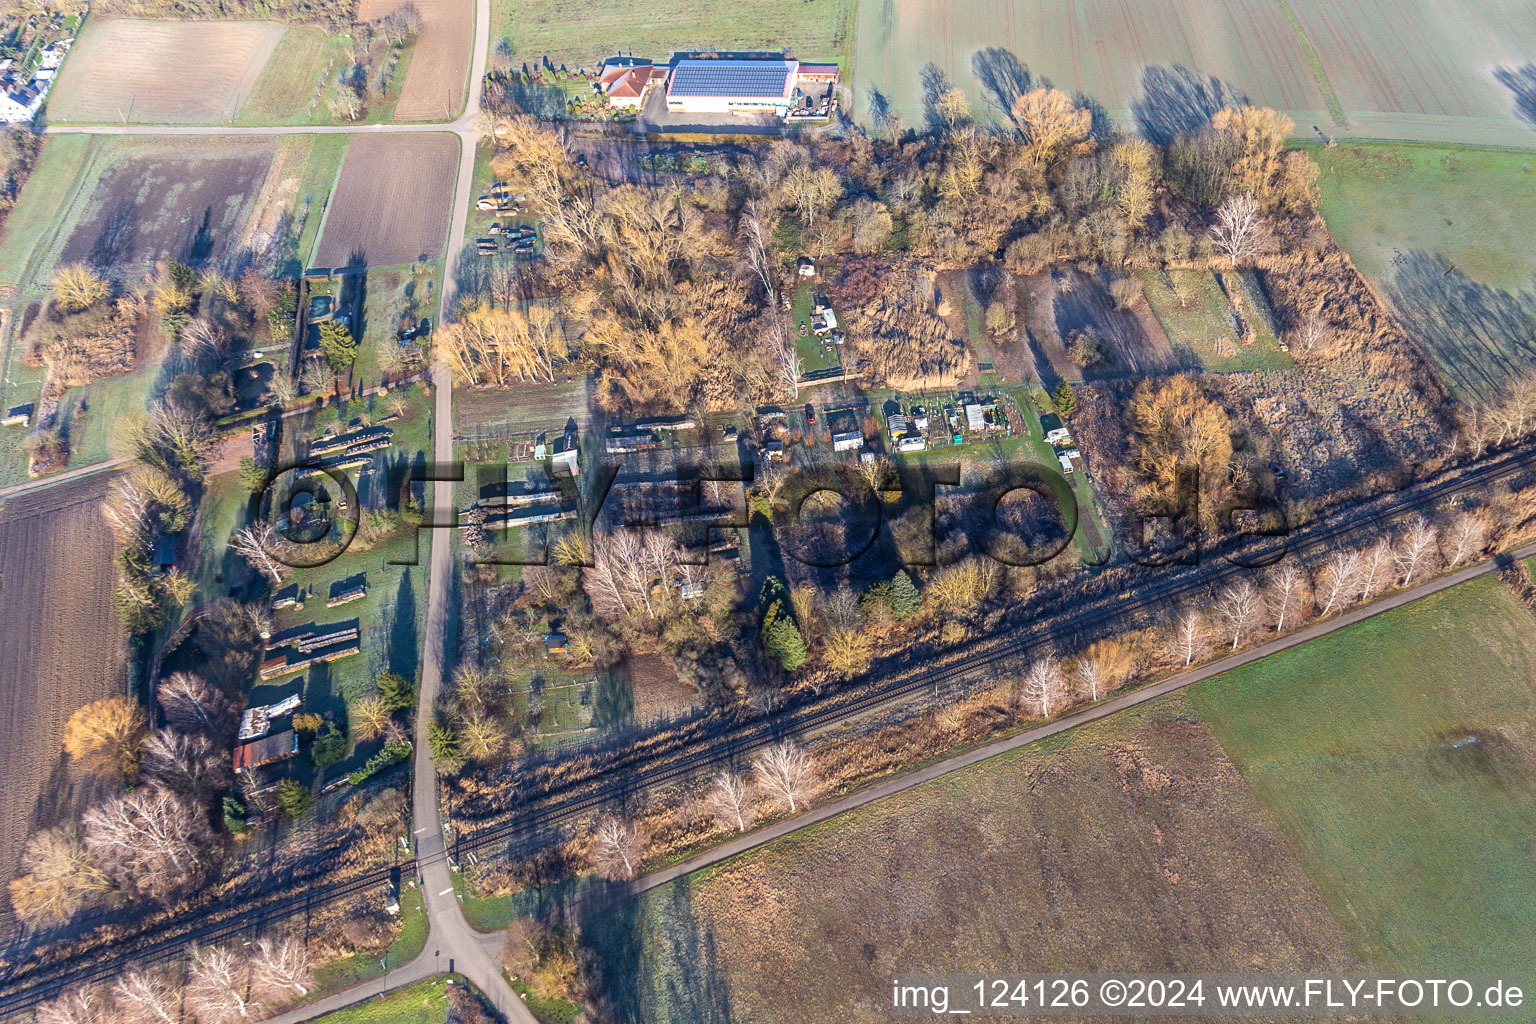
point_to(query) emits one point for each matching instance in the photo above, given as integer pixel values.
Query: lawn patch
(1396, 756)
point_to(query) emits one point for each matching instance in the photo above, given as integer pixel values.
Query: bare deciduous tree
(1415, 550)
(616, 849)
(1339, 579)
(1465, 539)
(1375, 568)
(754, 245)
(147, 997)
(1287, 591)
(730, 799)
(1240, 232)
(79, 1004)
(218, 986)
(1090, 676)
(283, 967)
(786, 772)
(192, 704)
(1044, 687)
(255, 544)
(1190, 640)
(152, 842)
(1240, 607)
(185, 763)
(1311, 335)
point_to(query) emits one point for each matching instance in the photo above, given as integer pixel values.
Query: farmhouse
(770, 85)
(266, 750)
(625, 80)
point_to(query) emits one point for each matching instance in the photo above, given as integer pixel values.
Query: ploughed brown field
(435, 79)
(60, 648)
(170, 72)
(177, 199)
(393, 201)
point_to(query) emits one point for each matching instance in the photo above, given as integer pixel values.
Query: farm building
(164, 556)
(637, 441)
(266, 750)
(257, 722)
(625, 80)
(18, 416)
(746, 86)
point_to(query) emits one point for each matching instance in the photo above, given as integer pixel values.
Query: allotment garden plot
(162, 71)
(392, 202)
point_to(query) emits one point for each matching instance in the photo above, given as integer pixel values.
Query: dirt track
(60, 646)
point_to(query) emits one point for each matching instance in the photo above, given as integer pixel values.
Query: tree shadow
(201, 246)
(402, 629)
(1176, 100)
(1522, 82)
(642, 974)
(1479, 336)
(537, 100)
(115, 239)
(1003, 77)
(934, 83)
(613, 699)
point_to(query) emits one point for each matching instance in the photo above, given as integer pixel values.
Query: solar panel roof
(745, 78)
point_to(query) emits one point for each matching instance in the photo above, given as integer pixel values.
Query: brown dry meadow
(393, 201)
(1128, 845)
(59, 648)
(162, 71)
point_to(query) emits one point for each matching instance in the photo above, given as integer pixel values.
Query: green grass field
(1443, 232)
(425, 1002)
(1474, 207)
(35, 220)
(1201, 327)
(1397, 757)
(582, 35)
(292, 89)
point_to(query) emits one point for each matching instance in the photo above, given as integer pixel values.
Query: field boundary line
(976, 755)
(1319, 73)
(64, 477)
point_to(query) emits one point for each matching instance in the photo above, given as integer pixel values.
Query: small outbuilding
(18, 416)
(266, 750)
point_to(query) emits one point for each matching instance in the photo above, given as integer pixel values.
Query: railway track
(25, 987)
(811, 719)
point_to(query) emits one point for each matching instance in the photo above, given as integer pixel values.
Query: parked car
(810, 414)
